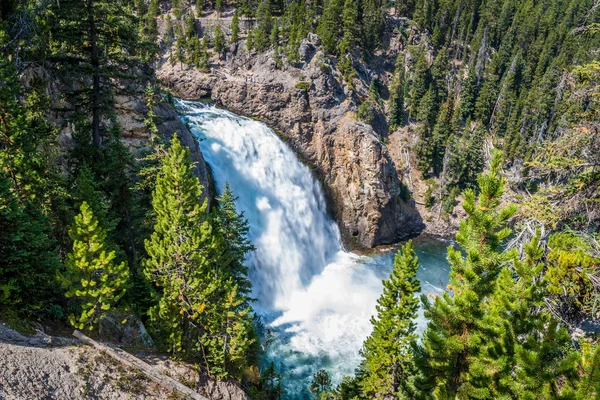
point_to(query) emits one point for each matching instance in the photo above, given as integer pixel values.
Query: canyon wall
(315, 114)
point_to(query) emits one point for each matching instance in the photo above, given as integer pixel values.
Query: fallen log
(134, 362)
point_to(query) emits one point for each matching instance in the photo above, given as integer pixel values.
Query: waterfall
(316, 298)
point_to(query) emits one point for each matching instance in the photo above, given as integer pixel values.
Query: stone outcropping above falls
(315, 114)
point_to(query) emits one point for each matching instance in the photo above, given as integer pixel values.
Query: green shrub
(366, 112)
(303, 85)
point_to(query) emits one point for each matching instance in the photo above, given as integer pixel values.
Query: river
(315, 298)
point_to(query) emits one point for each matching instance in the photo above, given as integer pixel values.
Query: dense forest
(502, 96)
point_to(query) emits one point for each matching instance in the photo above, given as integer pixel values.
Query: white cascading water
(315, 298)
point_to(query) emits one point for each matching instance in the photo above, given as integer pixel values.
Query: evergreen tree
(180, 46)
(321, 385)
(468, 95)
(275, 43)
(455, 333)
(439, 75)
(204, 56)
(275, 34)
(250, 40)
(219, 41)
(190, 25)
(330, 24)
(219, 6)
(427, 108)
(86, 191)
(420, 83)
(397, 114)
(92, 276)
(31, 196)
(439, 138)
(373, 18)
(151, 23)
(29, 257)
(235, 28)
(473, 161)
(177, 262)
(347, 69)
(387, 351)
(234, 228)
(350, 27)
(202, 310)
(169, 35)
(102, 36)
(264, 24)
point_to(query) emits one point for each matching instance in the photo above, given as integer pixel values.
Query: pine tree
(373, 18)
(264, 24)
(321, 385)
(180, 46)
(219, 6)
(230, 345)
(177, 261)
(204, 56)
(275, 34)
(92, 276)
(347, 69)
(420, 83)
(473, 161)
(203, 309)
(86, 191)
(397, 114)
(439, 138)
(234, 228)
(387, 351)
(439, 74)
(219, 41)
(169, 35)
(427, 108)
(102, 36)
(455, 333)
(350, 26)
(31, 196)
(468, 95)
(151, 23)
(29, 257)
(190, 25)
(250, 40)
(330, 24)
(172, 59)
(235, 27)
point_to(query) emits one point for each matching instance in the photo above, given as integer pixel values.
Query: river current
(315, 298)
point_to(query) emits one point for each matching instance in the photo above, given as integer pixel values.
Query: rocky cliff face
(130, 110)
(317, 118)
